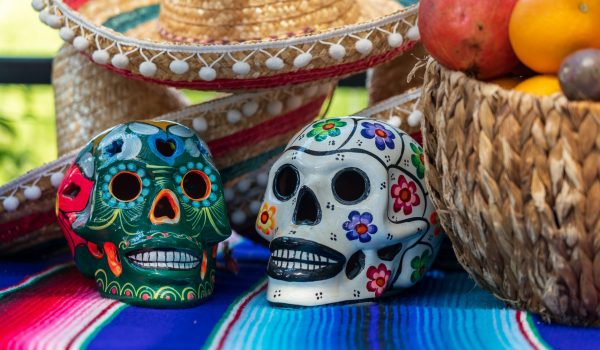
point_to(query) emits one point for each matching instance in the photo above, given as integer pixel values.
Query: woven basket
(516, 180)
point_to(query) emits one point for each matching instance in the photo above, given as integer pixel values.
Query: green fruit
(579, 75)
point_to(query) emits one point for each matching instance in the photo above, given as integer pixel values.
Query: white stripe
(231, 315)
(34, 278)
(75, 17)
(530, 332)
(115, 309)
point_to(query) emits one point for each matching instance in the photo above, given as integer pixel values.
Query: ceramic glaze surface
(142, 209)
(347, 214)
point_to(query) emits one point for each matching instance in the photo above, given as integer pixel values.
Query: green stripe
(123, 22)
(249, 165)
(535, 332)
(211, 338)
(36, 279)
(99, 327)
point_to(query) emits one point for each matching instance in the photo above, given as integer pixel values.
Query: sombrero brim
(27, 217)
(325, 54)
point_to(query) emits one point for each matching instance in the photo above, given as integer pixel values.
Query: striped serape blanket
(50, 305)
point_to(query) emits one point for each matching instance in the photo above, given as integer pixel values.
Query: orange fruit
(540, 85)
(543, 33)
(507, 83)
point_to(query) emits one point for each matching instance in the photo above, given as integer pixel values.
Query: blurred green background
(27, 130)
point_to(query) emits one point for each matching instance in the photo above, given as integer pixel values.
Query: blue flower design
(359, 226)
(383, 137)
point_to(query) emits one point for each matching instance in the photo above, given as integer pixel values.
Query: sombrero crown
(230, 45)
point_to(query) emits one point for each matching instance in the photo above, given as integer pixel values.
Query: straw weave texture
(90, 99)
(516, 180)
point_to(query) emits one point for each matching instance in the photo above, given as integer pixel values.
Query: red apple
(469, 35)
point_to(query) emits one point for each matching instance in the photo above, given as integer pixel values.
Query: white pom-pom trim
(311, 91)
(238, 217)
(294, 102)
(262, 179)
(302, 60)
(229, 194)
(147, 69)
(179, 66)
(241, 68)
(207, 74)
(54, 21)
(274, 107)
(337, 51)
(249, 108)
(10, 203)
(56, 179)
(413, 33)
(67, 34)
(254, 207)
(234, 116)
(415, 118)
(395, 40)
(43, 16)
(120, 61)
(32, 192)
(395, 121)
(81, 43)
(274, 63)
(101, 56)
(243, 185)
(199, 124)
(364, 46)
(38, 5)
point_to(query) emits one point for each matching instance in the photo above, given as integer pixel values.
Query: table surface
(49, 304)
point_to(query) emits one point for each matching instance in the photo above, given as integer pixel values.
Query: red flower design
(378, 279)
(405, 195)
(435, 222)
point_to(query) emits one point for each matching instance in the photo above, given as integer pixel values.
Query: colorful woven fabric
(50, 305)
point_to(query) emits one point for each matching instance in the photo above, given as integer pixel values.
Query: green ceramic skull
(142, 208)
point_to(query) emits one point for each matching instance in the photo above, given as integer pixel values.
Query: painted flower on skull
(419, 265)
(405, 195)
(418, 160)
(265, 222)
(383, 137)
(330, 127)
(378, 279)
(359, 226)
(437, 226)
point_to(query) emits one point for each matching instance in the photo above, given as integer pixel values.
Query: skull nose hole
(165, 147)
(165, 209)
(308, 211)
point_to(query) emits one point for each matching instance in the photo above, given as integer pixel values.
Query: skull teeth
(299, 260)
(161, 259)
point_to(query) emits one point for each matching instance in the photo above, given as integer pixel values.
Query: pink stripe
(278, 80)
(50, 312)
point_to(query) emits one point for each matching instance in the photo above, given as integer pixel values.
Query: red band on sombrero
(276, 80)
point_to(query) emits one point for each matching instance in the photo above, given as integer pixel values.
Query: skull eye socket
(286, 182)
(125, 186)
(350, 186)
(196, 185)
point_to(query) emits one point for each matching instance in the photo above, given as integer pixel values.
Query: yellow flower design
(265, 222)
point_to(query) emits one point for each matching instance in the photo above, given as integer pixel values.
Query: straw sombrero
(243, 132)
(232, 45)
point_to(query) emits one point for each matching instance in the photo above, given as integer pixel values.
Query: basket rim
(491, 88)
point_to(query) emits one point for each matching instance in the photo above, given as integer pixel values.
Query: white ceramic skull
(347, 214)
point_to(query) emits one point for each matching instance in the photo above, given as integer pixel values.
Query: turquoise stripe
(123, 22)
(248, 165)
(425, 317)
